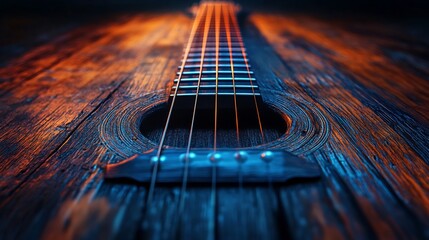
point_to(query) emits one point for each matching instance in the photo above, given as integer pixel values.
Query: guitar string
(228, 37)
(217, 27)
(195, 25)
(188, 148)
(243, 52)
(212, 222)
(231, 14)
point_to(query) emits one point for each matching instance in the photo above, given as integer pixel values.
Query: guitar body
(332, 93)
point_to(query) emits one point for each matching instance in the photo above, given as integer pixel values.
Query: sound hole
(274, 125)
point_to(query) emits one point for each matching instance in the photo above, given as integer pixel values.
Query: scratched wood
(370, 81)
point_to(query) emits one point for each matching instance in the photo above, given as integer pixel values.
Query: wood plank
(365, 168)
(24, 31)
(155, 47)
(44, 57)
(64, 97)
(359, 56)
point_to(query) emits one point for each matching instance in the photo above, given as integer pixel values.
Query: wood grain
(355, 125)
(368, 80)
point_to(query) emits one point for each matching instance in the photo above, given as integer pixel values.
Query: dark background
(409, 8)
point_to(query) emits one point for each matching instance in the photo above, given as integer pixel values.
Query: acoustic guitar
(291, 130)
(215, 127)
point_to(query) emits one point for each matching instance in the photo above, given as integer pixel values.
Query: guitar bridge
(249, 166)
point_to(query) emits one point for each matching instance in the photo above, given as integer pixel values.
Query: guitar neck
(215, 62)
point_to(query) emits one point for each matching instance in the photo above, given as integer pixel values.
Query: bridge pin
(155, 159)
(214, 157)
(191, 156)
(241, 156)
(267, 156)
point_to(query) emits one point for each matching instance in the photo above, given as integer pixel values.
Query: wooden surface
(368, 80)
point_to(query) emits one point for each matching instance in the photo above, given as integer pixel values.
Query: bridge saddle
(249, 165)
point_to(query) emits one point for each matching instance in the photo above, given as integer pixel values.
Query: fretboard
(215, 60)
